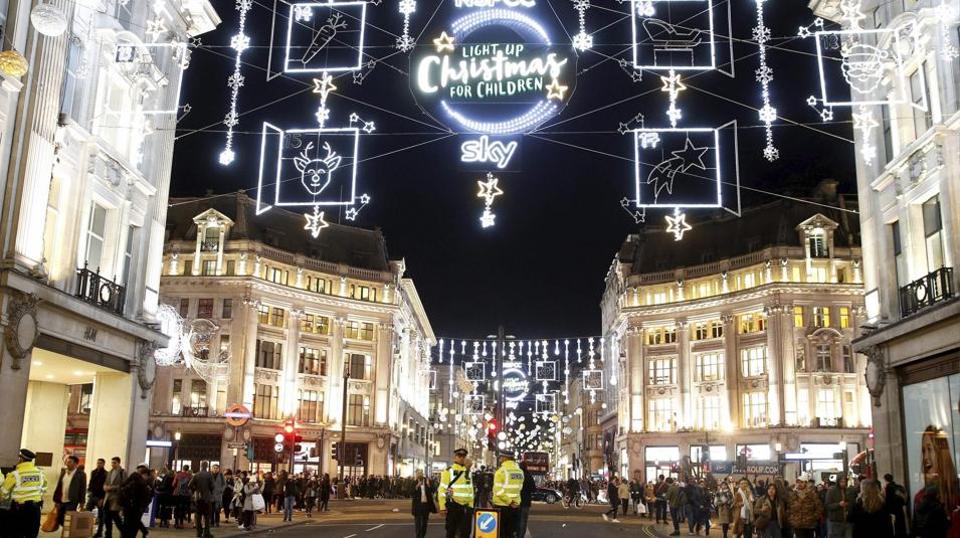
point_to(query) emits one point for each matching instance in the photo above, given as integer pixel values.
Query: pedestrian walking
(868, 516)
(201, 490)
(770, 513)
(840, 498)
(24, 486)
(181, 496)
(613, 497)
(310, 495)
(226, 498)
(804, 508)
(526, 499)
(219, 483)
(422, 503)
(660, 491)
(111, 502)
(895, 501)
(623, 493)
(71, 485)
(725, 511)
(290, 493)
(95, 493)
(325, 490)
(676, 499)
(743, 502)
(133, 498)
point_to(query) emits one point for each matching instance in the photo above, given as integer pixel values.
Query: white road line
(528, 535)
(350, 536)
(374, 528)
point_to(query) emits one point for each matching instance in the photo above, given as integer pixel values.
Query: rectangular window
(277, 275)
(900, 259)
(313, 361)
(128, 255)
(661, 416)
(887, 133)
(184, 307)
(848, 364)
(227, 311)
(359, 331)
(798, 316)
(844, 317)
(231, 268)
(821, 316)
(803, 407)
(198, 397)
(318, 285)
(277, 317)
(363, 293)
(709, 367)
(826, 404)
(263, 314)
(358, 412)
(310, 403)
(661, 335)
(208, 268)
(818, 245)
(716, 329)
(919, 92)
(753, 361)
(205, 308)
(801, 359)
(708, 409)
(824, 362)
(176, 403)
(663, 371)
(755, 410)
(700, 331)
(752, 323)
(360, 366)
(265, 401)
(224, 346)
(314, 324)
(933, 233)
(269, 355)
(96, 231)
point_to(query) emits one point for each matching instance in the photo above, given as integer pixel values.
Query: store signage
(753, 467)
(492, 70)
(537, 462)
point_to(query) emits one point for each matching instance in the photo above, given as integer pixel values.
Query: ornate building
(294, 315)
(726, 347)
(909, 198)
(87, 126)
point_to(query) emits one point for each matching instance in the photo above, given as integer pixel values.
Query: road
(391, 519)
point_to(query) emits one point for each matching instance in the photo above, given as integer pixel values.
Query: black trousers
(203, 517)
(459, 520)
(25, 519)
(421, 518)
(131, 522)
(109, 518)
(509, 522)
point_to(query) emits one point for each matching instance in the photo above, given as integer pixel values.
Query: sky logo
(483, 150)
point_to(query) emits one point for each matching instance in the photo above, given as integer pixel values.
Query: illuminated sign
(483, 150)
(493, 71)
(515, 384)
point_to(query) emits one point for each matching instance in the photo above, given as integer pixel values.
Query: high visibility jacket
(455, 485)
(24, 484)
(507, 483)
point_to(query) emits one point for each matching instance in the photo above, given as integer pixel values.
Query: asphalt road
(391, 519)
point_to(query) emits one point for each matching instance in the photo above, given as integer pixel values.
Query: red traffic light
(288, 428)
(492, 426)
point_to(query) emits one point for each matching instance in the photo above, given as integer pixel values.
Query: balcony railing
(210, 246)
(97, 290)
(926, 291)
(194, 412)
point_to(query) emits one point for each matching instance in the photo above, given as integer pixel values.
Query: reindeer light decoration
(316, 174)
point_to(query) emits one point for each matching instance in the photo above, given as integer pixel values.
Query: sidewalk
(265, 523)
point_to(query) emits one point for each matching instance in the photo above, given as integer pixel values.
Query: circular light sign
(493, 71)
(515, 384)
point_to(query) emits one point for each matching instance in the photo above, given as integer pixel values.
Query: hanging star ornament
(555, 90)
(444, 42)
(677, 224)
(323, 86)
(315, 222)
(489, 189)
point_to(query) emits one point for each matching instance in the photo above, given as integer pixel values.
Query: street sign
(237, 415)
(239, 446)
(486, 524)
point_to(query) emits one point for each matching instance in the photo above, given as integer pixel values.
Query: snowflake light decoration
(582, 41)
(235, 82)
(302, 13)
(767, 113)
(407, 8)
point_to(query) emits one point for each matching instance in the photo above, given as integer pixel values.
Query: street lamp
(176, 448)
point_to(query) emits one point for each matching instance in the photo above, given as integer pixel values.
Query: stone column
(774, 363)
(788, 361)
(635, 378)
(684, 374)
(249, 357)
(383, 373)
(201, 234)
(291, 360)
(220, 248)
(731, 362)
(334, 396)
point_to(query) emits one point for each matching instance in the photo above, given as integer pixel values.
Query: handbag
(257, 502)
(51, 523)
(641, 508)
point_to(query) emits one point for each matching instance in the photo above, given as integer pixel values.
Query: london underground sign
(491, 67)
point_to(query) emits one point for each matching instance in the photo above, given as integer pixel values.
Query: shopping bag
(50, 524)
(257, 502)
(641, 508)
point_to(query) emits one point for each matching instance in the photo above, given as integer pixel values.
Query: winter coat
(805, 509)
(869, 525)
(724, 501)
(623, 491)
(742, 512)
(676, 497)
(930, 518)
(249, 490)
(218, 485)
(649, 494)
(763, 512)
(835, 512)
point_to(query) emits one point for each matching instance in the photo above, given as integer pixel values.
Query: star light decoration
(156, 27)
(677, 224)
(489, 190)
(444, 42)
(865, 123)
(673, 85)
(235, 80)
(315, 222)
(582, 41)
(405, 42)
(323, 86)
(767, 113)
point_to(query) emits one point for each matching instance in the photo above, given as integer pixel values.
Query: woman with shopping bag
(253, 502)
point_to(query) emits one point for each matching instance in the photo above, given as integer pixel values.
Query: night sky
(540, 271)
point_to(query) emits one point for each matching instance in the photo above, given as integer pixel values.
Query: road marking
(374, 528)
(528, 535)
(350, 536)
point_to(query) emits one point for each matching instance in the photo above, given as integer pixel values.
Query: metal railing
(97, 290)
(926, 291)
(194, 412)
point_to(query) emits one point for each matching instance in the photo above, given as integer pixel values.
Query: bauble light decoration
(48, 19)
(13, 64)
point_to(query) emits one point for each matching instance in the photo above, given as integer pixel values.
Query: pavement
(392, 519)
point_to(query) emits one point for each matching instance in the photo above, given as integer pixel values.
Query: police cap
(27, 455)
(460, 452)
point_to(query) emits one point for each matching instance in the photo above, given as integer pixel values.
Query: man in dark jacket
(895, 501)
(526, 499)
(133, 497)
(70, 488)
(614, 499)
(98, 476)
(201, 485)
(422, 503)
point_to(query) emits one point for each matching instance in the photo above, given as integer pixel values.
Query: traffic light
(358, 460)
(288, 437)
(278, 443)
(333, 450)
(492, 433)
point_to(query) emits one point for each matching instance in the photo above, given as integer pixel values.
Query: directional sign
(486, 524)
(239, 446)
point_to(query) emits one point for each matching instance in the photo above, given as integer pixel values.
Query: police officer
(455, 495)
(507, 483)
(24, 487)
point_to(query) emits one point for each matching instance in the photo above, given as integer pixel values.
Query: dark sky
(540, 271)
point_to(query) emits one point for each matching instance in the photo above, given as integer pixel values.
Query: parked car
(547, 495)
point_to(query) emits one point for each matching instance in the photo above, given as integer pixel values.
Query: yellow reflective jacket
(24, 484)
(455, 485)
(507, 483)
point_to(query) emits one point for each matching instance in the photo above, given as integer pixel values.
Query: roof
(726, 236)
(282, 229)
